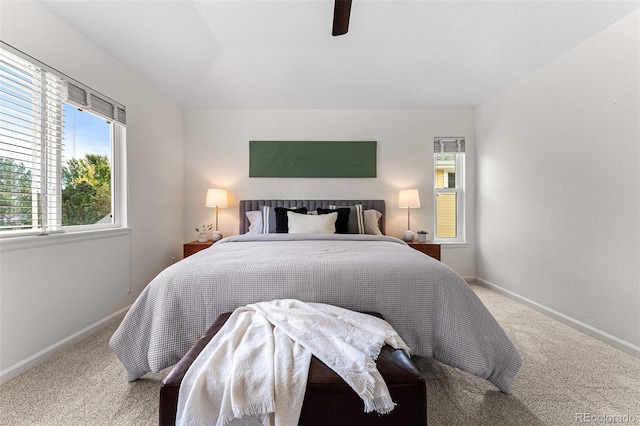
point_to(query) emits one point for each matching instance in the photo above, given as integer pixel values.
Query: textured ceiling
(280, 54)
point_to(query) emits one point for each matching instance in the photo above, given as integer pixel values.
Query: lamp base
(408, 236)
(216, 235)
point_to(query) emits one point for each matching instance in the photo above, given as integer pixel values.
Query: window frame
(459, 192)
(118, 185)
(116, 117)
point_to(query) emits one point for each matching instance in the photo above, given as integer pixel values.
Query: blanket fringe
(381, 405)
(370, 383)
(374, 351)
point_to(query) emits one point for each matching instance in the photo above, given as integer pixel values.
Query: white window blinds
(448, 145)
(30, 144)
(84, 98)
(32, 98)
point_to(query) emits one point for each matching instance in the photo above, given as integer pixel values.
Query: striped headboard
(250, 205)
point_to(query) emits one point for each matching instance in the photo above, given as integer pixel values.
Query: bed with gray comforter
(431, 307)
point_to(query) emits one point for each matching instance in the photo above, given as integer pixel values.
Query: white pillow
(371, 218)
(255, 222)
(312, 224)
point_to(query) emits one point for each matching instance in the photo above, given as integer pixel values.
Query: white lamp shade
(409, 198)
(216, 198)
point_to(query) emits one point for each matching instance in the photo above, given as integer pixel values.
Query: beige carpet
(566, 378)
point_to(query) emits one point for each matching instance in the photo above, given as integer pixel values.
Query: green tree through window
(86, 168)
(15, 195)
(86, 190)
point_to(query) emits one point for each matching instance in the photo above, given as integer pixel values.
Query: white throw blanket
(254, 370)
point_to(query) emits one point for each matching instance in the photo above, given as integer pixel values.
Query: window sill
(32, 241)
(452, 244)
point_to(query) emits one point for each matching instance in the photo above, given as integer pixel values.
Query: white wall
(53, 292)
(558, 187)
(217, 155)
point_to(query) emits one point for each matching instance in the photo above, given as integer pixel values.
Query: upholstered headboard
(249, 205)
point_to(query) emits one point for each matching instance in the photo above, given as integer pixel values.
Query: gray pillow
(371, 219)
(356, 218)
(268, 220)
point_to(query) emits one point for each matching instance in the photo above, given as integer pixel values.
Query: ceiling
(280, 54)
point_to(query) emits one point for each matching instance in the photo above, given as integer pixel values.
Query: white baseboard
(22, 366)
(571, 322)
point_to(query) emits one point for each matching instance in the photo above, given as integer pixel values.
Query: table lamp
(216, 198)
(408, 199)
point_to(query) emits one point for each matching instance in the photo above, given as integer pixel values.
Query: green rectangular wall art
(335, 159)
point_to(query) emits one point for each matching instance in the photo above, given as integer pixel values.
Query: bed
(431, 307)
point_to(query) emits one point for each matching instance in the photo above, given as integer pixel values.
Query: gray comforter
(430, 306)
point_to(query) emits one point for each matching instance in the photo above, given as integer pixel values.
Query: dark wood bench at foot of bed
(328, 399)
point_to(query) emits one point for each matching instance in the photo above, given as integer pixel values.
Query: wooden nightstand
(194, 246)
(430, 249)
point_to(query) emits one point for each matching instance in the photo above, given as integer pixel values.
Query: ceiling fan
(341, 13)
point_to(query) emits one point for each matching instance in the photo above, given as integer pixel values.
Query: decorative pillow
(371, 218)
(356, 218)
(255, 222)
(282, 219)
(342, 223)
(312, 224)
(268, 220)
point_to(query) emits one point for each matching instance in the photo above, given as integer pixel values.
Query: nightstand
(194, 246)
(430, 249)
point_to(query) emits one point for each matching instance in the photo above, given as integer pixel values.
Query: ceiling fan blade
(341, 13)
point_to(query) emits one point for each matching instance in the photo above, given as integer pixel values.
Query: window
(449, 189)
(61, 151)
